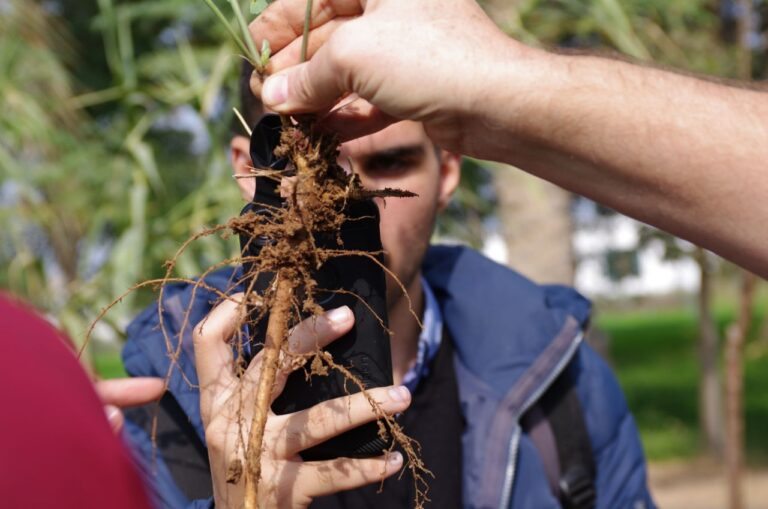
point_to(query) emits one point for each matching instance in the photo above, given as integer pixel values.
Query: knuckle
(205, 414)
(197, 333)
(327, 476)
(318, 334)
(342, 50)
(296, 334)
(302, 86)
(267, 22)
(321, 421)
(372, 469)
(213, 440)
(292, 439)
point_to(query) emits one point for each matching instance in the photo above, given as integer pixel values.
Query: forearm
(686, 155)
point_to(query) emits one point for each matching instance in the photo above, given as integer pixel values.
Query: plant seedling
(319, 193)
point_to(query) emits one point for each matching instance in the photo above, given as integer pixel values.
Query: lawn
(655, 357)
(109, 365)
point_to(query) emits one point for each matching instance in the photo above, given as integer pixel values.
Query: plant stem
(253, 52)
(242, 121)
(307, 26)
(277, 331)
(226, 24)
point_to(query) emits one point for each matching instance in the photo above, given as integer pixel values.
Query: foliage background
(115, 119)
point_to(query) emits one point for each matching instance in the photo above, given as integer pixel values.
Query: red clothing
(57, 450)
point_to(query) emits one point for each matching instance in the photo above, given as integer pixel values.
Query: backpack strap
(557, 428)
(177, 444)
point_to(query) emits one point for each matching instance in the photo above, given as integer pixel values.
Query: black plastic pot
(365, 350)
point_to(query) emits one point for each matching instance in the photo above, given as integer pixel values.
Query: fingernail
(275, 91)
(395, 458)
(112, 413)
(339, 316)
(400, 394)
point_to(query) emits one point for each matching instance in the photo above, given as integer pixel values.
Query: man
(510, 407)
(683, 154)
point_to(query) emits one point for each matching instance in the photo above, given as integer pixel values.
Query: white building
(606, 245)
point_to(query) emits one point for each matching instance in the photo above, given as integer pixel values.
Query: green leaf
(258, 6)
(266, 52)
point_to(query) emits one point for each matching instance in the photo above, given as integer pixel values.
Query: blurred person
(683, 154)
(510, 407)
(57, 448)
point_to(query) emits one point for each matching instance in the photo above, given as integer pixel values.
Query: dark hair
(250, 106)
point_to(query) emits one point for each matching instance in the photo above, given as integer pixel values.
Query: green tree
(113, 138)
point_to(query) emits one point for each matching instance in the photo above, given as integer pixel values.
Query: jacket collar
(500, 322)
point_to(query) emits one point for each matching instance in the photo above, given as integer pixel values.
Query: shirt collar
(429, 340)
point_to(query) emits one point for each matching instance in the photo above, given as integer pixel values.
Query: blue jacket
(512, 338)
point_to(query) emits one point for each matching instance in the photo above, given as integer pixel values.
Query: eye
(383, 166)
(394, 163)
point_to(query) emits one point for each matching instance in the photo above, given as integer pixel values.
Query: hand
(226, 405)
(127, 392)
(419, 60)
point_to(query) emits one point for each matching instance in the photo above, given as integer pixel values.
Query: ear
(242, 165)
(450, 174)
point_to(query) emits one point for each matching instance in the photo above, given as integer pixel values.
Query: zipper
(509, 474)
(514, 442)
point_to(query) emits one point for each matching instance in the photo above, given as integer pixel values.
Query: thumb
(309, 87)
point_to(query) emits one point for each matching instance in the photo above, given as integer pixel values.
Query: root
(277, 332)
(387, 424)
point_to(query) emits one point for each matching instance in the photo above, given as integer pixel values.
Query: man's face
(400, 157)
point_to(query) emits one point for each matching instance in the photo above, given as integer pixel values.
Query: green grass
(654, 355)
(109, 365)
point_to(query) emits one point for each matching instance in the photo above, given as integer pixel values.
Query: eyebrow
(404, 152)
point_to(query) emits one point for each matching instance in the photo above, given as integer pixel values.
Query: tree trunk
(762, 336)
(737, 332)
(734, 388)
(535, 215)
(710, 395)
(536, 226)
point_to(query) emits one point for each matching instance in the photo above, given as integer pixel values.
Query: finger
(291, 54)
(283, 22)
(127, 392)
(328, 477)
(214, 359)
(319, 331)
(311, 334)
(309, 87)
(315, 425)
